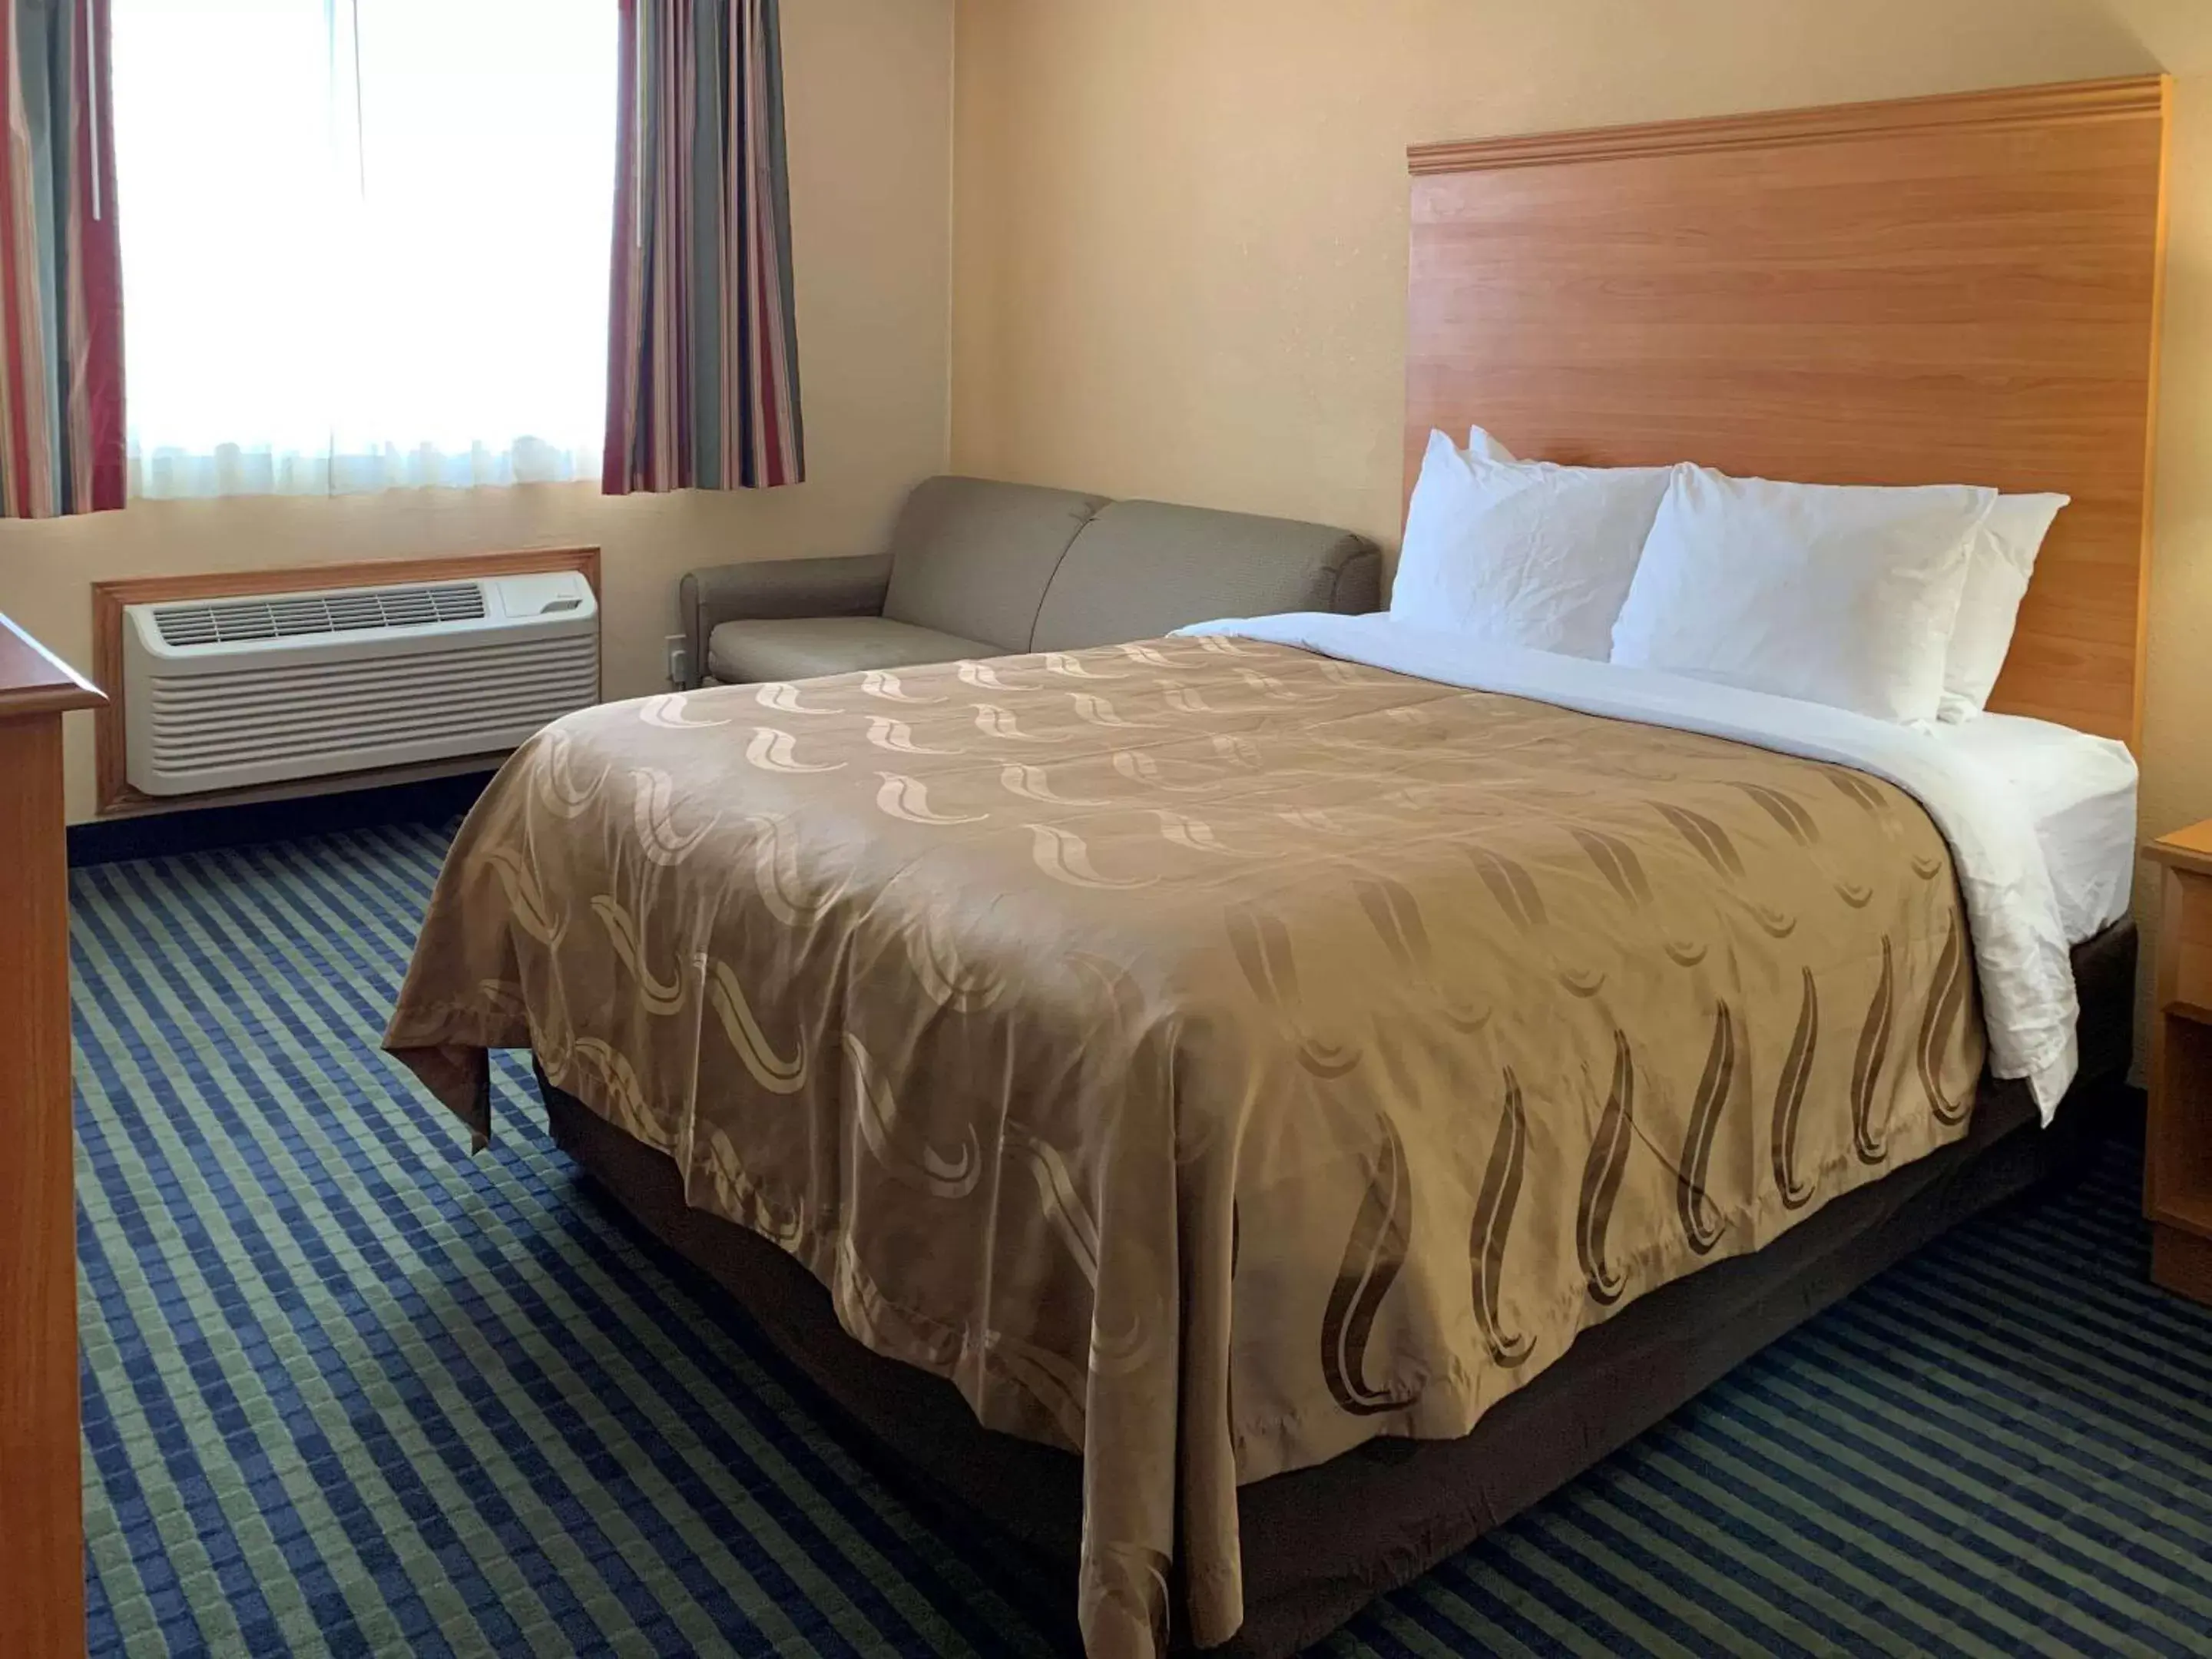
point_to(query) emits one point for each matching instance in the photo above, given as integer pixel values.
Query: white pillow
(1828, 593)
(1522, 552)
(1484, 447)
(1997, 572)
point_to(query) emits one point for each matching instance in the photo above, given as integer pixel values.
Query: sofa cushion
(801, 647)
(1143, 568)
(973, 558)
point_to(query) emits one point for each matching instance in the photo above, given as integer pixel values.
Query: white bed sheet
(2021, 947)
(2080, 793)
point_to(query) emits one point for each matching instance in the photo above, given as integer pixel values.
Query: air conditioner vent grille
(229, 621)
(474, 699)
(240, 691)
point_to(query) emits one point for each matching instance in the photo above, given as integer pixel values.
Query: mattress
(2078, 792)
(1214, 1053)
(1208, 1055)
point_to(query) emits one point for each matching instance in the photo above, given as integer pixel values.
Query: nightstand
(2178, 1161)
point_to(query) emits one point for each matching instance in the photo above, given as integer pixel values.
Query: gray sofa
(982, 569)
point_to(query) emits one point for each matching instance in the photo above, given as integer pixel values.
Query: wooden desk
(41, 1499)
(2177, 1162)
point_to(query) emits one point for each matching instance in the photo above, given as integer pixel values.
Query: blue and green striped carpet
(348, 1391)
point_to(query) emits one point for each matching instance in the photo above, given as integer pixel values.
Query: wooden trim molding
(113, 795)
(2000, 108)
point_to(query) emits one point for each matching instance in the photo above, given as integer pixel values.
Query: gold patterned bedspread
(1208, 1055)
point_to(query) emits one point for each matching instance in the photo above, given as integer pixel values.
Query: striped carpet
(348, 1391)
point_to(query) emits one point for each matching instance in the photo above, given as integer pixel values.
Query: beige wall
(1178, 268)
(1179, 229)
(869, 88)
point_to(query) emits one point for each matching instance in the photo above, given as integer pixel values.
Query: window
(365, 242)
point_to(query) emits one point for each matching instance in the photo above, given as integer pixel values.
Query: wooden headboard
(1938, 290)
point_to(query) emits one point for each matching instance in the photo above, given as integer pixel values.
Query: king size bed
(1247, 1111)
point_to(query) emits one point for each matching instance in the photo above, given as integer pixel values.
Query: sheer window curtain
(364, 242)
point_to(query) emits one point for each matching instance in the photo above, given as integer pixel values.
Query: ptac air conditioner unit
(219, 694)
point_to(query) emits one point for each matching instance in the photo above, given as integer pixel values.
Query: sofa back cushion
(1143, 568)
(973, 558)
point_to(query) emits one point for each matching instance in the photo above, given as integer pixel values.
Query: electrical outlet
(679, 661)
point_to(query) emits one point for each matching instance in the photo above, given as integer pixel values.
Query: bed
(1301, 1095)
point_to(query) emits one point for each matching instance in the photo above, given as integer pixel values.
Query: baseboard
(161, 835)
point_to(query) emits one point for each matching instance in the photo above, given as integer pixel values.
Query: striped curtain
(702, 374)
(61, 291)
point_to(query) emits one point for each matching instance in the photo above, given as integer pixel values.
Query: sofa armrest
(778, 588)
(1358, 588)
